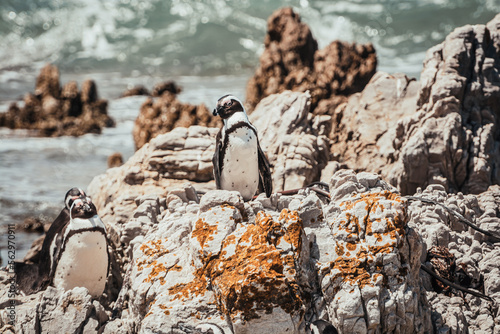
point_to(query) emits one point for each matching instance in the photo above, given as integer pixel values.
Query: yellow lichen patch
(196, 287)
(253, 278)
(153, 250)
(203, 231)
(176, 268)
(155, 271)
(356, 255)
(256, 275)
(294, 229)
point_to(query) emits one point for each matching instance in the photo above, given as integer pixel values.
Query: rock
(166, 113)
(369, 276)
(115, 160)
(54, 310)
(211, 261)
(164, 163)
(137, 90)
(472, 251)
(452, 139)
(296, 155)
(291, 61)
(364, 128)
(167, 86)
(53, 111)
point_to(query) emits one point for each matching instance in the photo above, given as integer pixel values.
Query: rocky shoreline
(185, 254)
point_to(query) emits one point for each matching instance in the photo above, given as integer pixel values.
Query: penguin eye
(229, 103)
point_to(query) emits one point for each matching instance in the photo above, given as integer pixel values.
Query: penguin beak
(215, 112)
(86, 207)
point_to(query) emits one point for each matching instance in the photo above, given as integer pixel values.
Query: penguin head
(227, 106)
(79, 204)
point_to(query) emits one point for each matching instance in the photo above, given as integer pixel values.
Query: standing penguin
(239, 163)
(75, 251)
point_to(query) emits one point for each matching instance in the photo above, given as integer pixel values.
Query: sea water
(209, 47)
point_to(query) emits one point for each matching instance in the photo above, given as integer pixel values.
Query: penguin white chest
(240, 169)
(84, 262)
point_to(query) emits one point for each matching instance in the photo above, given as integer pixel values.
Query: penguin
(75, 250)
(239, 163)
(321, 327)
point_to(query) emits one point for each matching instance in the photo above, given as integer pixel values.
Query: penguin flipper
(216, 159)
(265, 177)
(45, 266)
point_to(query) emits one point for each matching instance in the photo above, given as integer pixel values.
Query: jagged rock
(53, 111)
(286, 136)
(369, 273)
(291, 61)
(158, 89)
(54, 310)
(269, 264)
(166, 113)
(453, 138)
(364, 128)
(472, 250)
(166, 162)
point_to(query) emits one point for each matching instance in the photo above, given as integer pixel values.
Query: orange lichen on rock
(203, 231)
(255, 275)
(196, 287)
(153, 249)
(357, 245)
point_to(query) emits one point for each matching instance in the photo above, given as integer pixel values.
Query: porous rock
(453, 139)
(290, 261)
(369, 275)
(164, 163)
(474, 253)
(52, 111)
(54, 310)
(364, 128)
(165, 113)
(291, 61)
(296, 153)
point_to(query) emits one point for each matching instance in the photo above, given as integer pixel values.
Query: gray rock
(286, 136)
(451, 139)
(364, 128)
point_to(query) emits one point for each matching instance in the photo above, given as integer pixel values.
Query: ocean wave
(214, 37)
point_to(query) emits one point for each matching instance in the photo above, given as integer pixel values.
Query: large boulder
(453, 139)
(439, 224)
(55, 111)
(364, 128)
(295, 151)
(271, 265)
(291, 61)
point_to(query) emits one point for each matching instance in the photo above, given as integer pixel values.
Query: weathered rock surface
(167, 161)
(453, 139)
(364, 128)
(291, 61)
(370, 263)
(473, 251)
(294, 149)
(166, 113)
(54, 310)
(55, 111)
(272, 264)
